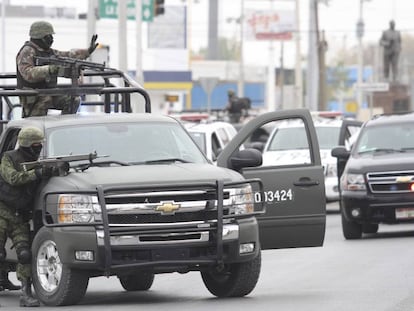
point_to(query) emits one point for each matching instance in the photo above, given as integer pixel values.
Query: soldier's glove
(53, 69)
(93, 44)
(46, 172)
(60, 71)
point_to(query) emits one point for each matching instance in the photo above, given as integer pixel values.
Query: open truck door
(293, 190)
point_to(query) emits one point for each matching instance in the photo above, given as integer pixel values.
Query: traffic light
(159, 7)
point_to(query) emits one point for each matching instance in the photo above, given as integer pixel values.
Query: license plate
(404, 213)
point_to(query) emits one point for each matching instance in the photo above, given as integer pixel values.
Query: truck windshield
(125, 142)
(295, 138)
(390, 138)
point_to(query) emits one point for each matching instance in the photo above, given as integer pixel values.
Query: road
(374, 273)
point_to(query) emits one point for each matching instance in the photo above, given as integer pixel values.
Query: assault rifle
(70, 67)
(60, 163)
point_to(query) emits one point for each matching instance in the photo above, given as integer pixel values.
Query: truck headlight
(240, 200)
(353, 182)
(78, 208)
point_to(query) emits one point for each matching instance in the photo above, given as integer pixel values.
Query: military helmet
(40, 29)
(30, 135)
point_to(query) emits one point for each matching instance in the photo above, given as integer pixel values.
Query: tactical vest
(22, 83)
(17, 197)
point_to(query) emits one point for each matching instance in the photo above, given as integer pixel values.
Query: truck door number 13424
(274, 196)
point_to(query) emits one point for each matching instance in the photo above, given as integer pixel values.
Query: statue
(391, 41)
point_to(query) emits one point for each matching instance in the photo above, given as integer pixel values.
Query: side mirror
(340, 152)
(258, 146)
(246, 158)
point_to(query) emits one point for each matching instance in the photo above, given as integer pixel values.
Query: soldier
(234, 107)
(391, 41)
(30, 76)
(17, 189)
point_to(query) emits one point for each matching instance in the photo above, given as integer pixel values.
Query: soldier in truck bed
(30, 76)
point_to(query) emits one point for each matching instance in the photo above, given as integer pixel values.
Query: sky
(338, 20)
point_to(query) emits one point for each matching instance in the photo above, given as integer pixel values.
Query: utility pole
(139, 76)
(122, 35)
(298, 66)
(212, 52)
(322, 47)
(270, 84)
(312, 73)
(240, 87)
(282, 76)
(360, 34)
(3, 36)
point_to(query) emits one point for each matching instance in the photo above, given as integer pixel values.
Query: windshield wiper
(167, 160)
(85, 166)
(387, 150)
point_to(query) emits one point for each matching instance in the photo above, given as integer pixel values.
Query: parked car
(211, 137)
(377, 185)
(286, 145)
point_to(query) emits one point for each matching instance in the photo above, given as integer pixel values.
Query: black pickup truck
(151, 202)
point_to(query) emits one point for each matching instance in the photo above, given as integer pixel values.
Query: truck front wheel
(350, 229)
(234, 280)
(55, 284)
(137, 281)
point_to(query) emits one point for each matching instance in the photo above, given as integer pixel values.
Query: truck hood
(145, 175)
(380, 162)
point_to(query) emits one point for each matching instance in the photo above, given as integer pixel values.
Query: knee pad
(24, 255)
(2, 255)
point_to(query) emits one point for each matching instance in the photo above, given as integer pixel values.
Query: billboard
(269, 24)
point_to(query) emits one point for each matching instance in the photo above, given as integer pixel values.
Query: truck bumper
(158, 252)
(362, 207)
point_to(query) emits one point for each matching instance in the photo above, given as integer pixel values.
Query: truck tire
(235, 280)
(350, 229)
(137, 281)
(55, 284)
(370, 228)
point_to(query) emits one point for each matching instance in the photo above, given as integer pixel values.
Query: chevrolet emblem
(167, 207)
(402, 179)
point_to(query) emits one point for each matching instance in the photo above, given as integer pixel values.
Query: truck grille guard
(219, 211)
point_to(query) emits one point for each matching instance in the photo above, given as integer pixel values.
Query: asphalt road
(374, 273)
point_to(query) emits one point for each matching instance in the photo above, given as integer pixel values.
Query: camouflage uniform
(30, 76)
(13, 218)
(17, 189)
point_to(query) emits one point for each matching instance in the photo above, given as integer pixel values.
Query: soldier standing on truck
(17, 190)
(234, 107)
(30, 76)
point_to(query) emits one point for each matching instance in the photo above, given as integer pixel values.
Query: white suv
(211, 137)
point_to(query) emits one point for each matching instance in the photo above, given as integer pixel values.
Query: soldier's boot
(5, 283)
(27, 299)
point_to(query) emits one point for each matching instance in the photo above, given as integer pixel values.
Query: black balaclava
(45, 43)
(32, 153)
